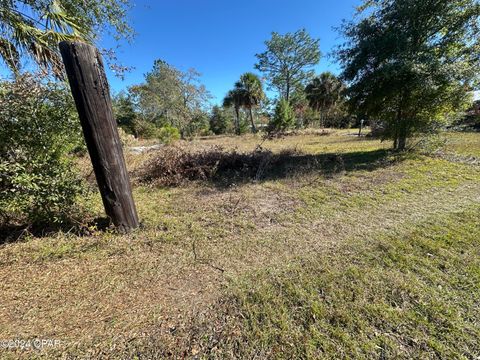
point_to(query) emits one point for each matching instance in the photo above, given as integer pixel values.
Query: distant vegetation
(419, 86)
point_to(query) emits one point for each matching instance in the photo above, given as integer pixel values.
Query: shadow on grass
(10, 233)
(175, 166)
(326, 165)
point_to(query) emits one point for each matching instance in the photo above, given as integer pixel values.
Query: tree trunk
(91, 92)
(237, 122)
(287, 95)
(402, 136)
(254, 129)
(396, 130)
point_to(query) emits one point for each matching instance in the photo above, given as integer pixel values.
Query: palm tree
(323, 93)
(235, 98)
(252, 93)
(247, 93)
(36, 33)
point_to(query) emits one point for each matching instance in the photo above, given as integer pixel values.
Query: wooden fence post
(90, 90)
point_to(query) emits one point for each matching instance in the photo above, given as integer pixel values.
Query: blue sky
(220, 38)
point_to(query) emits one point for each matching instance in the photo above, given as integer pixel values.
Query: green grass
(412, 293)
(345, 251)
(467, 143)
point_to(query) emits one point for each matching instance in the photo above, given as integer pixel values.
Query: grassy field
(337, 248)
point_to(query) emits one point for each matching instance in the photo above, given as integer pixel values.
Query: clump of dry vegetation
(312, 132)
(175, 165)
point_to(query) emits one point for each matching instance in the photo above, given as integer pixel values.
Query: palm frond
(37, 36)
(9, 54)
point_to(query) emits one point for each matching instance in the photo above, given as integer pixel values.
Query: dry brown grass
(175, 165)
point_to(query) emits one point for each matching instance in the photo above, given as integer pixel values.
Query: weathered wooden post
(90, 90)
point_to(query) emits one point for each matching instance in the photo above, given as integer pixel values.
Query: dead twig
(203, 261)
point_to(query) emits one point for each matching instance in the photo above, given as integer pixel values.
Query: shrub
(283, 118)
(144, 129)
(218, 121)
(198, 125)
(429, 144)
(39, 130)
(126, 138)
(167, 134)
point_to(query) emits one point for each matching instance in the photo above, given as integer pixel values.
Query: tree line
(169, 98)
(408, 67)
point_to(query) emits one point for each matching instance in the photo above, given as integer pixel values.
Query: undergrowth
(410, 294)
(176, 165)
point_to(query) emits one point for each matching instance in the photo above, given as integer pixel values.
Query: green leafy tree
(288, 60)
(158, 98)
(304, 115)
(125, 113)
(128, 117)
(199, 126)
(325, 94)
(145, 130)
(411, 63)
(171, 96)
(219, 121)
(33, 29)
(283, 117)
